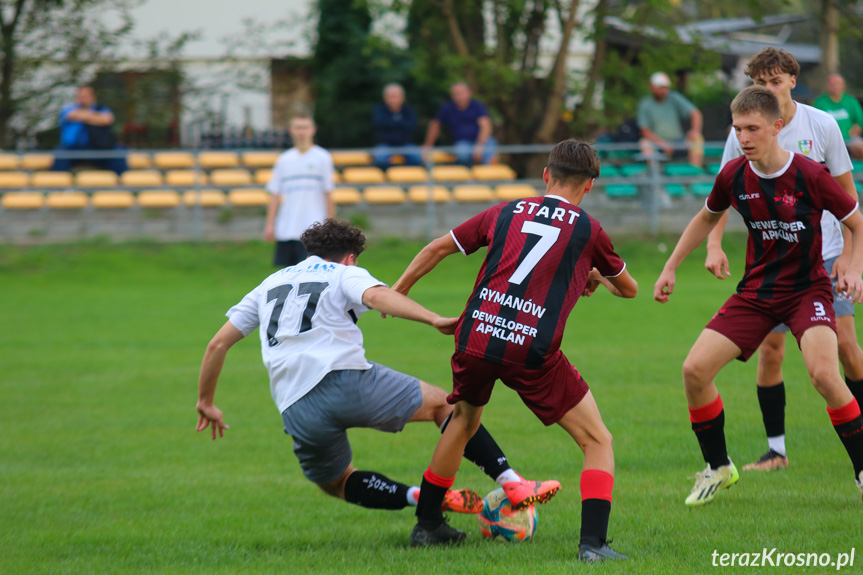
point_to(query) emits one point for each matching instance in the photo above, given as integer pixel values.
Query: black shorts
(289, 253)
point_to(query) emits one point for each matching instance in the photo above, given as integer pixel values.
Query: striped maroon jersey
(782, 212)
(540, 251)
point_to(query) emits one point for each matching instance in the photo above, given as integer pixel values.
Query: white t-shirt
(816, 135)
(303, 181)
(306, 315)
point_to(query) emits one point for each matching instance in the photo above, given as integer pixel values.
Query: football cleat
(443, 534)
(710, 481)
(768, 462)
(525, 493)
(462, 501)
(591, 554)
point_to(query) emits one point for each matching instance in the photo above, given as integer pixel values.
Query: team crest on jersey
(789, 198)
(805, 146)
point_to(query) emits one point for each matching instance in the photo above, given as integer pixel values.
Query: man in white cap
(661, 118)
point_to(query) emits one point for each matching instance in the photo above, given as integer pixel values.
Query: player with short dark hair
(815, 135)
(781, 197)
(543, 253)
(320, 379)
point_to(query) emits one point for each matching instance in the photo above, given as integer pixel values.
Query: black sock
(429, 513)
(483, 451)
(711, 439)
(772, 402)
(856, 388)
(851, 435)
(594, 521)
(375, 491)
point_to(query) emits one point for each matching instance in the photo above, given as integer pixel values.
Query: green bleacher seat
(702, 189)
(683, 170)
(713, 168)
(621, 191)
(675, 190)
(857, 165)
(609, 171)
(713, 151)
(633, 170)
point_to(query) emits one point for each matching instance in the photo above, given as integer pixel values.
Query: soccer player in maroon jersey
(781, 197)
(543, 253)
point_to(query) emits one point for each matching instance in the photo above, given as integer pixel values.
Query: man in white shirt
(321, 381)
(300, 185)
(816, 135)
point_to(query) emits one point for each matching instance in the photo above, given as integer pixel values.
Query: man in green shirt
(847, 112)
(662, 117)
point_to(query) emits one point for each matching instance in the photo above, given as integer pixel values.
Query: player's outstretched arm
(425, 261)
(695, 233)
(391, 302)
(851, 283)
(211, 367)
(716, 261)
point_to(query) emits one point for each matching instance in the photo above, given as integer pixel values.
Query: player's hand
(664, 286)
(445, 325)
(716, 263)
(269, 234)
(592, 283)
(851, 285)
(840, 266)
(211, 416)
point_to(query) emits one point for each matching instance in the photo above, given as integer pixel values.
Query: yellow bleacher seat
(111, 199)
(173, 160)
(384, 195)
(185, 178)
(450, 174)
(337, 177)
(206, 198)
(212, 160)
(420, 194)
(442, 157)
(51, 180)
(262, 176)
(495, 172)
(158, 199)
(141, 178)
(22, 201)
(139, 161)
(96, 179)
(231, 177)
(249, 197)
(67, 200)
(260, 159)
(473, 193)
(351, 158)
(407, 174)
(346, 196)
(9, 162)
(367, 175)
(509, 192)
(37, 161)
(14, 179)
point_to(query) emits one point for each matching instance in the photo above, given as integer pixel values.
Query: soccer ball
(499, 521)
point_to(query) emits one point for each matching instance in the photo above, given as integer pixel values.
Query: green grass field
(101, 470)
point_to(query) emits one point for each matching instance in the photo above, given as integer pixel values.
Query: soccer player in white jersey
(300, 187)
(816, 135)
(323, 384)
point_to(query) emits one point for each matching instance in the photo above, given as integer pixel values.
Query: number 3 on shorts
(819, 309)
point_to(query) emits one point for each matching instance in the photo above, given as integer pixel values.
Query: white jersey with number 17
(816, 135)
(306, 316)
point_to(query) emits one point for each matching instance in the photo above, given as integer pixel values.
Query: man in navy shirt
(395, 123)
(87, 125)
(468, 125)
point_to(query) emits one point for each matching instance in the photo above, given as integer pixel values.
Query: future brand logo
(754, 196)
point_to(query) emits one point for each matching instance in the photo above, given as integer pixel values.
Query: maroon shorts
(746, 322)
(549, 392)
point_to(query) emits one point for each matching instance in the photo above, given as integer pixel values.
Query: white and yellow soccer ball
(500, 522)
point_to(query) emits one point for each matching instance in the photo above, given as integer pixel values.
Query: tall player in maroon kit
(781, 197)
(543, 253)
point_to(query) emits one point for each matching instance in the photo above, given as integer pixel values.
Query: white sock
(413, 496)
(777, 444)
(507, 476)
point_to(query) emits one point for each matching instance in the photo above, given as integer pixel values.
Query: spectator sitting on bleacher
(87, 125)
(469, 127)
(847, 112)
(661, 118)
(395, 123)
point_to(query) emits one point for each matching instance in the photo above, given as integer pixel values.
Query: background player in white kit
(816, 135)
(321, 381)
(300, 187)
